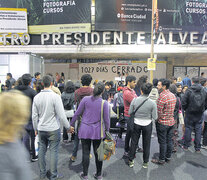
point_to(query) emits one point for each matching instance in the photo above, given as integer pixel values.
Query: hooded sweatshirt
(81, 93)
(128, 96)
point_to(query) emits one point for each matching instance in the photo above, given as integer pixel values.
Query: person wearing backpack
(68, 99)
(118, 108)
(194, 103)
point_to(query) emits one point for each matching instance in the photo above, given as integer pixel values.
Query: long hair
(14, 113)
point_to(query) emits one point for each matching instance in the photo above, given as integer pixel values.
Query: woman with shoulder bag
(145, 112)
(90, 128)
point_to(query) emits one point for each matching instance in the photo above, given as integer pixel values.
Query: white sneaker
(204, 147)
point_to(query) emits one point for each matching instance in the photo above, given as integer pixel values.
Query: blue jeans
(53, 140)
(189, 126)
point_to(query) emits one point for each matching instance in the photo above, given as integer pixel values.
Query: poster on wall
(123, 15)
(185, 15)
(179, 72)
(134, 15)
(203, 69)
(192, 71)
(109, 71)
(54, 15)
(11, 16)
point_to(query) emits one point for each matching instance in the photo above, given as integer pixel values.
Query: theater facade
(106, 37)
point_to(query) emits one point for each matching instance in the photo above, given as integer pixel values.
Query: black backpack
(68, 102)
(119, 104)
(197, 101)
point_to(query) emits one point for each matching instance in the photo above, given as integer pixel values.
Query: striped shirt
(165, 107)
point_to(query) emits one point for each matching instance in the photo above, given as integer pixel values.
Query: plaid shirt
(165, 107)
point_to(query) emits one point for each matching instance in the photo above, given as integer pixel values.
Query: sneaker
(184, 148)
(97, 177)
(34, 159)
(83, 177)
(73, 158)
(167, 160)
(157, 161)
(131, 164)
(204, 147)
(145, 165)
(198, 151)
(60, 176)
(140, 150)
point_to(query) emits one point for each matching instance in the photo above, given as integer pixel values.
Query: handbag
(107, 145)
(132, 115)
(69, 113)
(180, 114)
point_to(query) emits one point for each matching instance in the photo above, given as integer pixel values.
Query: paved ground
(183, 166)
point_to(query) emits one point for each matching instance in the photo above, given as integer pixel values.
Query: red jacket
(128, 96)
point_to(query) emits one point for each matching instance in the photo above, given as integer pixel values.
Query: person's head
(131, 81)
(62, 74)
(146, 88)
(155, 82)
(195, 80)
(52, 78)
(86, 80)
(14, 113)
(39, 85)
(98, 89)
(77, 85)
(142, 80)
(69, 87)
(173, 88)
(202, 74)
(163, 84)
(185, 87)
(37, 75)
(174, 80)
(47, 81)
(111, 83)
(107, 86)
(26, 79)
(179, 79)
(203, 82)
(18, 82)
(8, 76)
(7, 84)
(179, 87)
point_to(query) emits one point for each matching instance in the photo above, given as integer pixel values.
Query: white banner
(109, 71)
(13, 20)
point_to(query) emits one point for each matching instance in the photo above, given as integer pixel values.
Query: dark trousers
(128, 134)
(146, 140)
(86, 148)
(65, 133)
(205, 134)
(29, 141)
(189, 126)
(165, 134)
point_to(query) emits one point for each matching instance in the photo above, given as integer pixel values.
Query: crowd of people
(45, 106)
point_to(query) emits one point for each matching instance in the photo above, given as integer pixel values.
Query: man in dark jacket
(30, 134)
(194, 103)
(11, 80)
